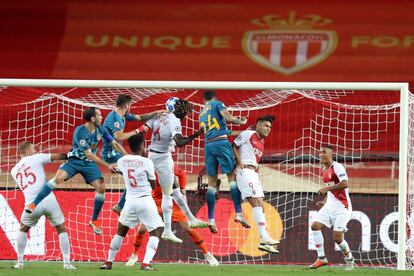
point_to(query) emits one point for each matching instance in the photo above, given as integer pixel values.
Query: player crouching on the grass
(139, 177)
(336, 208)
(248, 149)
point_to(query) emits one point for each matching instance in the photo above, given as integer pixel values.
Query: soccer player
(218, 150)
(336, 208)
(82, 159)
(139, 177)
(30, 176)
(248, 149)
(115, 124)
(177, 216)
(166, 133)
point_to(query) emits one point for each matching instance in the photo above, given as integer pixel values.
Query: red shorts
(177, 214)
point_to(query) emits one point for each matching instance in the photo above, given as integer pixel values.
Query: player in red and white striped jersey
(30, 176)
(248, 149)
(336, 208)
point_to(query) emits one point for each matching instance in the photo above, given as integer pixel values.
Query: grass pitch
(91, 269)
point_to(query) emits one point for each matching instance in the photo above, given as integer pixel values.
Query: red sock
(197, 240)
(137, 242)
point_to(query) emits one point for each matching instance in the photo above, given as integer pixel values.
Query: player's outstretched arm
(232, 119)
(120, 135)
(98, 160)
(182, 141)
(144, 117)
(58, 156)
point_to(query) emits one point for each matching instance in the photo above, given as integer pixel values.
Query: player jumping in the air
(139, 177)
(336, 208)
(248, 150)
(82, 159)
(166, 134)
(30, 176)
(218, 151)
(177, 216)
(115, 124)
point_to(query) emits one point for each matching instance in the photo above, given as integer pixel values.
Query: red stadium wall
(77, 208)
(208, 40)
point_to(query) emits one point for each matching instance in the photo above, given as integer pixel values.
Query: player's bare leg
(98, 202)
(64, 246)
(236, 197)
(139, 235)
(318, 241)
(266, 242)
(59, 178)
(115, 245)
(338, 237)
(211, 202)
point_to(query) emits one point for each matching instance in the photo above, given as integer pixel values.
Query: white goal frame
(233, 85)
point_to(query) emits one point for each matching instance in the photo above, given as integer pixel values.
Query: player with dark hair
(166, 134)
(115, 124)
(335, 210)
(177, 216)
(82, 159)
(218, 151)
(248, 149)
(139, 177)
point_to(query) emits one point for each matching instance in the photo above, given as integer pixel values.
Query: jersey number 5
(132, 178)
(210, 125)
(27, 174)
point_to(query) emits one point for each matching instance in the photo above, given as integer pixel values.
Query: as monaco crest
(290, 45)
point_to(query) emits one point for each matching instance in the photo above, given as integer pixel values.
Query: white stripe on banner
(275, 52)
(301, 53)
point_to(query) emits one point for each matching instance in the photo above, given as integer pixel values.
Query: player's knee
(316, 226)
(338, 237)
(61, 228)
(142, 230)
(24, 228)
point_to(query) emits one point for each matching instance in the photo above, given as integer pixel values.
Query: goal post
(336, 102)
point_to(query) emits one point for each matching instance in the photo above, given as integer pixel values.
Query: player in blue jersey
(218, 151)
(115, 124)
(82, 159)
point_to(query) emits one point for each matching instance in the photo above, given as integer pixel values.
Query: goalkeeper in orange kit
(177, 216)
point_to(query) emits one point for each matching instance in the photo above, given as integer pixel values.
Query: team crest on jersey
(290, 45)
(98, 136)
(82, 142)
(117, 125)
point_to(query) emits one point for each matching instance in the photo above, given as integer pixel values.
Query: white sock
(180, 201)
(260, 220)
(318, 241)
(166, 205)
(114, 247)
(345, 248)
(151, 249)
(64, 247)
(21, 245)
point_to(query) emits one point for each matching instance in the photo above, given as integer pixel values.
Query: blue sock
(211, 201)
(235, 196)
(44, 192)
(97, 205)
(121, 202)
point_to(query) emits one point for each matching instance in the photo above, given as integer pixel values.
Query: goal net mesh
(362, 126)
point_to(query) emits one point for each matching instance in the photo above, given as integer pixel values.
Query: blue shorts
(111, 160)
(89, 170)
(219, 152)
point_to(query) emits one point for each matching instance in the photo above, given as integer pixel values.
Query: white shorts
(249, 184)
(50, 208)
(142, 210)
(164, 167)
(335, 215)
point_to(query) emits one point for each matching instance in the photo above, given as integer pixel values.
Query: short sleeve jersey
(332, 176)
(212, 121)
(251, 147)
(164, 128)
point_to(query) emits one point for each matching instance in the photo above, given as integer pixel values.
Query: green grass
(91, 269)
